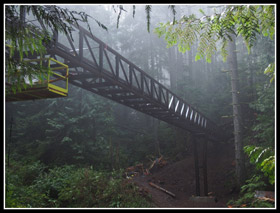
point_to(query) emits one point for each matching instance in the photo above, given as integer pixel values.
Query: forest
(89, 150)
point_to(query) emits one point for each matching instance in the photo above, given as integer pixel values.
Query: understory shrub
(248, 199)
(71, 187)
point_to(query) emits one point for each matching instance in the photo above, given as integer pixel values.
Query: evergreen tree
(247, 21)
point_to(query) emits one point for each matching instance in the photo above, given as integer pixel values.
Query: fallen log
(162, 189)
(265, 194)
(155, 162)
(266, 199)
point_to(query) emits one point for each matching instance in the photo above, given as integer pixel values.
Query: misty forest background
(70, 152)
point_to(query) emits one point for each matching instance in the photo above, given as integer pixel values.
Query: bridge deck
(96, 67)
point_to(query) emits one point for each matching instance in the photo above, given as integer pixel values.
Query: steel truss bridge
(96, 67)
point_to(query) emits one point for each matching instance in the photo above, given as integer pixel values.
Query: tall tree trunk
(251, 78)
(155, 75)
(156, 141)
(239, 155)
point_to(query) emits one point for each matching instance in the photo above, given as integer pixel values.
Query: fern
(264, 160)
(248, 198)
(270, 71)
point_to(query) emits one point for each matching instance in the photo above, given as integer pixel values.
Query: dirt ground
(179, 178)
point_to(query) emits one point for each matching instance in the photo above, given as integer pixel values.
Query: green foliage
(248, 199)
(267, 20)
(264, 127)
(262, 153)
(247, 21)
(264, 160)
(270, 71)
(18, 70)
(25, 39)
(20, 179)
(185, 35)
(247, 24)
(82, 129)
(69, 186)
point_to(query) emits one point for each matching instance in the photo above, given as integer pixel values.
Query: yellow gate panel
(54, 86)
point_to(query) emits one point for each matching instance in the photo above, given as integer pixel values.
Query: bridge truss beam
(98, 68)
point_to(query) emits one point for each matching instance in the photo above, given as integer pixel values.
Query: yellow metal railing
(55, 76)
(54, 82)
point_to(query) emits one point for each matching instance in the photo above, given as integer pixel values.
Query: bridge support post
(205, 166)
(196, 167)
(197, 140)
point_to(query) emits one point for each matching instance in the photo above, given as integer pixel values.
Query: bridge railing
(91, 52)
(95, 52)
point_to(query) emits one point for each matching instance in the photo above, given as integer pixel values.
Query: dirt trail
(179, 178)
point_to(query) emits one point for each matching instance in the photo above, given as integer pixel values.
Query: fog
(91, 129)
